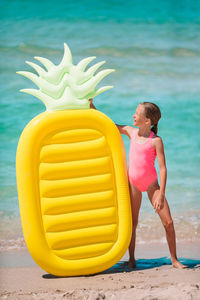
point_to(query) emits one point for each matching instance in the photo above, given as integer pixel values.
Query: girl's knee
(169, 224)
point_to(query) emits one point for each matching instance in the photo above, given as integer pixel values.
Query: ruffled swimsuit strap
(151, 135)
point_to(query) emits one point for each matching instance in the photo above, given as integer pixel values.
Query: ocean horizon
(154, 48)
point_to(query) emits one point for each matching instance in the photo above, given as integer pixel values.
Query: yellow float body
(73, 192)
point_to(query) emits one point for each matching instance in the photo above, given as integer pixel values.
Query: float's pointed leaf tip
(73, 79)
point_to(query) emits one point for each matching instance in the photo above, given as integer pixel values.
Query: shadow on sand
(142, 264)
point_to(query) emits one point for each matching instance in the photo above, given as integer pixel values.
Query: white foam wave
(18, 244)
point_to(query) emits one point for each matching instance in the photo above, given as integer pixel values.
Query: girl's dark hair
(152, 112)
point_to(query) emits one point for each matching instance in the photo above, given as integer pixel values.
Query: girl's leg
(136, 198)
(167, 222)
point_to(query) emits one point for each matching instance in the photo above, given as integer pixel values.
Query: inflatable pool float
(71, 176)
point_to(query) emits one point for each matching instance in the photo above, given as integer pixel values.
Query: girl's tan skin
(155, 192)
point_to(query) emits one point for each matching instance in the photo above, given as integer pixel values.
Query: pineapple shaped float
(71, 177)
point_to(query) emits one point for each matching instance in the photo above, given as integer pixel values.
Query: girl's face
(139, 118)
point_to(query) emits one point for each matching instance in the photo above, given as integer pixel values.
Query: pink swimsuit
(142, 172)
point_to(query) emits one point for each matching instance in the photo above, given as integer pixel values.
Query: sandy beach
(154, 277)
(154, 48)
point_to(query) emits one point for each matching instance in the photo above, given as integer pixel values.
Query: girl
(145, 145)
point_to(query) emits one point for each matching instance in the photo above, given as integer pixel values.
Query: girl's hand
(91, 103)
(159, 202)
(91, 99)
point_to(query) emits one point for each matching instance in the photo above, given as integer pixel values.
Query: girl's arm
(163, 172)
(123, 129)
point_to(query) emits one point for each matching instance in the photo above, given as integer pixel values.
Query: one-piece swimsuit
(142, 172)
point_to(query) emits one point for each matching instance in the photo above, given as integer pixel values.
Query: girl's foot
(176, 264)
(132, 264)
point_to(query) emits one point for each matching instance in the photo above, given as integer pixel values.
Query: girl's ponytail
(153, 113)
(154, 128)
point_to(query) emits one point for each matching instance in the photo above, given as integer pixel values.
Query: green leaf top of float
(66, 86)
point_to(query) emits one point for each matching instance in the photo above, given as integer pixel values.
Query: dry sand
(154, 278)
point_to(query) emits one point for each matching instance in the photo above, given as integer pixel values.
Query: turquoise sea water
(155, 49)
